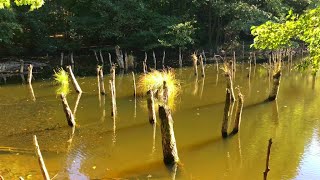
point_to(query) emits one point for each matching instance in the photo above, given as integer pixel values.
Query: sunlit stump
(74, 80)
(30, 67)
(237, 120)
(275, 87)
(101, 81)
(169, 147)
(151, 109)
(225, 124)
(195, 64)
(67, 111)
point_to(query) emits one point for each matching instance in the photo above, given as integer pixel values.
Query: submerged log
(237, 120)
(30, 67)
(265, 173)
(44, 171)
(74, 80)
(275, 87)
(225, 121)
(67, 111)
(151, 109)
(169, 147)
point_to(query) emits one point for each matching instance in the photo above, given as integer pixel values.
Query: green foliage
(34, 4)
(62, 79)
(306, 28)
(179, 35)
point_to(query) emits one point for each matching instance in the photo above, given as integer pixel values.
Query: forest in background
(137, 25)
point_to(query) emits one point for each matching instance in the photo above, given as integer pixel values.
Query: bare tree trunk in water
(110, 61)
(101, 57)
(67, 111)
(169, 147)
(126, 61)
(202, 67)
(119, 57)
(145, 70)
(265, 173)
(237, 120)
(72, 60)
(101, 81)
(95, 55)
(151, 109)
(195, 64)
(134, 85)
(44, 171)
(30, 67)
(225, 122)
(74, 80)
(230, 84)
(276, 85)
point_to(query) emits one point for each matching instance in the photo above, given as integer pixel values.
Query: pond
(130, 148)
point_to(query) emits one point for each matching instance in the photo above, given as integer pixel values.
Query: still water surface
(130, 148)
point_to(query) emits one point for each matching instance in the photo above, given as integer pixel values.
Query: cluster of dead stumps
(161, 93)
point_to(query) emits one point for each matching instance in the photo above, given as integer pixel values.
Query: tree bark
(230, 84)
(44, 171)
(74, 80)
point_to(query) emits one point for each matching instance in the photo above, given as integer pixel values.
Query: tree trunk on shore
(163, 58)
(67, 111)
(119, 57)
(180, 57)
(154, 60)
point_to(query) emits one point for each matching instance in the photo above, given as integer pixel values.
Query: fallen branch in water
(40, 159)
(265, 173)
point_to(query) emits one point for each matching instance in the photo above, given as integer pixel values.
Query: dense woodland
(137, 25)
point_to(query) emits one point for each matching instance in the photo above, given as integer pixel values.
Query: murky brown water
(130, 147)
